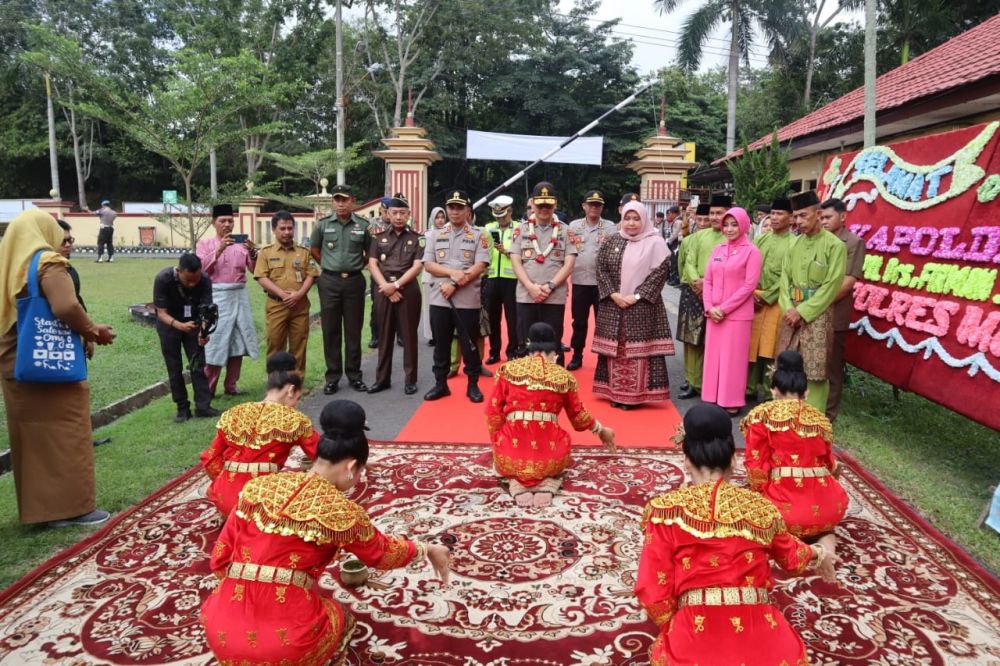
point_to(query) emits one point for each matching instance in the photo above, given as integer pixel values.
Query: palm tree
(770, 17)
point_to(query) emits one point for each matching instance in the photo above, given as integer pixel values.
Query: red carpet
(529, 588)
(454, 419)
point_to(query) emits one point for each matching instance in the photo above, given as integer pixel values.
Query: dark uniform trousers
(584, 299)
(401, 319)
(288, 329)
(551, 314)
(373, 326)
(172, 342)
(836, 374)
(106, 238)
(342, 314)
(444, 323)
(501, 296)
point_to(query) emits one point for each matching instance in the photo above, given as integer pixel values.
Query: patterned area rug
(531, 587)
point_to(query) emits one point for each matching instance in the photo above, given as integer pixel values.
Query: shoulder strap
(34, 289)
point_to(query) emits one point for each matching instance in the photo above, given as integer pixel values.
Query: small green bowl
(353, 573)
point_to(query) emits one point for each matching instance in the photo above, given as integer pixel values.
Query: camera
(207, 318)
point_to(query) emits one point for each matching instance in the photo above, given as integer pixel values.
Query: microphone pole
(513, 179)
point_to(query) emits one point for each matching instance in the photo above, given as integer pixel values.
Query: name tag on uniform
(298, 276)
(275, 259)
(187, 311)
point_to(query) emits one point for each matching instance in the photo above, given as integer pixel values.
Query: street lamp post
(339, 21)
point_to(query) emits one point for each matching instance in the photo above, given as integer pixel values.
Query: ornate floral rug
(530, 587)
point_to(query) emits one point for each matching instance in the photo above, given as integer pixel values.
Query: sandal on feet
(524, 499)
(542, 499)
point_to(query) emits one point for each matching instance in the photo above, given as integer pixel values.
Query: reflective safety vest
(500, 265)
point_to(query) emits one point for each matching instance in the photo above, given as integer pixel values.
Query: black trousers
(398, 320)
(502, 298)
(444, 325)
(373, 314)
(342, 313)
(172, 342)
(551, 314)
(105, 237)
(583, 300)
(673, 277)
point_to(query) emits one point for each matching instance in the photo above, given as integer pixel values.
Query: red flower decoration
(533, 237)
(540, 259)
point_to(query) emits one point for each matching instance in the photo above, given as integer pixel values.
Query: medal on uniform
(409, 242)
(329, 245)
(381, 257)
(442, 254)
(527, 254)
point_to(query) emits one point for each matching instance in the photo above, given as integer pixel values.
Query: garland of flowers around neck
(540, 255)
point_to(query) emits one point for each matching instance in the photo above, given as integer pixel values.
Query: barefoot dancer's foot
(524, 499)
(542, 499)
(829, 541)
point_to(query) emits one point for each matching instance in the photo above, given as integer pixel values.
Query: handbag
(48, 351)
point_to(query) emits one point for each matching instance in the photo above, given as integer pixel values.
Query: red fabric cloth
(529, 450)
(716, 535)
(254, 432)
(792, 433)
(253, 622)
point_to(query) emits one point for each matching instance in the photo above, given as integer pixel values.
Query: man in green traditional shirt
(810, 281)
(692, 311)
(773, 247)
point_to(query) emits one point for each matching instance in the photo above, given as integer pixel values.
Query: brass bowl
(354, 573)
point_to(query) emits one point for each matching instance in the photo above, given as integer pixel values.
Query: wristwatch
(551, 285)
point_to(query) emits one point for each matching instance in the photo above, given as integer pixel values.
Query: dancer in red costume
(255, 438)
(530, 448)
(286, 529)
(705, 574)
(789, 456)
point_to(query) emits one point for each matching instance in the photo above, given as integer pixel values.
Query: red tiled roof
(969, 57)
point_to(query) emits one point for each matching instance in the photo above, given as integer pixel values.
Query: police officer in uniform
(286, 272)
(501, 283)
(395, 259)
(456, 256)
(543, 260)
(339, 244)
(586, 234)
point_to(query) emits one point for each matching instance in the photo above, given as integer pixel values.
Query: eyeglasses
(68, 241)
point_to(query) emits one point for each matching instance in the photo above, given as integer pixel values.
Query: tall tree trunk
(905, 53)
(807, 95)
(77, 162)
(213, 179)
(871, 15)
(734, 82)
(56, 192)
(190, 205)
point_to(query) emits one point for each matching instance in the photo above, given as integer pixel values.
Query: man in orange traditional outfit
(529, 446)
(704, 575)
(287, 528)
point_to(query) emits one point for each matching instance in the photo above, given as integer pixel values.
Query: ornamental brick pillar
(322, 205)
(662, 164)
(57, 208)
(247, 220)
(407, 155)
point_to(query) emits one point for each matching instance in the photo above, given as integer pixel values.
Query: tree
(180, 120)
(761, 175)
(817, 24)
(770, 17)
(317, 164)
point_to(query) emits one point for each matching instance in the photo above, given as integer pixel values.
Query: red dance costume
(522, 415)
(251, 440)
(789, 459)
(705, 578)
(267, 609)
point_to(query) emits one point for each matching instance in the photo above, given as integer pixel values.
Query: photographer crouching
(185, 317)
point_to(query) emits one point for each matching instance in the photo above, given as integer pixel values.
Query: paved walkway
(389, 411)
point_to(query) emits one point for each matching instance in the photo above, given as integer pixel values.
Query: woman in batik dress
(789, 456)
(255, 438)
(530, 448)
(287, 528)
(632, 336)
(705, 574)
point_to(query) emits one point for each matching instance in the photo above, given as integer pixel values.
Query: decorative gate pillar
(247, 222)
(408, 153)
(662, 164)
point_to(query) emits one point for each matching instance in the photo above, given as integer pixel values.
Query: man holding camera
(181, 296)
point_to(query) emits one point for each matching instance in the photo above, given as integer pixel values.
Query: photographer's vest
(500, 266)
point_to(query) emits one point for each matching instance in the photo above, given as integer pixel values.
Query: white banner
(528, 148)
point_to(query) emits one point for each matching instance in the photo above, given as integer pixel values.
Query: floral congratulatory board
(927, 311)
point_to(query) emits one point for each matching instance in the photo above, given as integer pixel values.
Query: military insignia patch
(484, 242)
(385, 240)
(421, 241)
(467, 254)
(442, 254)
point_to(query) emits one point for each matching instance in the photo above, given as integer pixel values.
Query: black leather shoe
(475, 395)
(566, 348)
(331, 388)
(207, 413)
(373, 344)
(627, 408)
(378, 387)
(688, 394)
(575, 363)
(359, 385)
(410, 389)
(439, 391)
(493, 358)
(182, 415)
(684, 387)
(430, 343)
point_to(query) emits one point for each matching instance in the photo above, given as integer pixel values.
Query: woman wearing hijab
(705, 575)
(732, 274)
(632, 336)
(285, 531)
(51, 444)
(435, 220)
